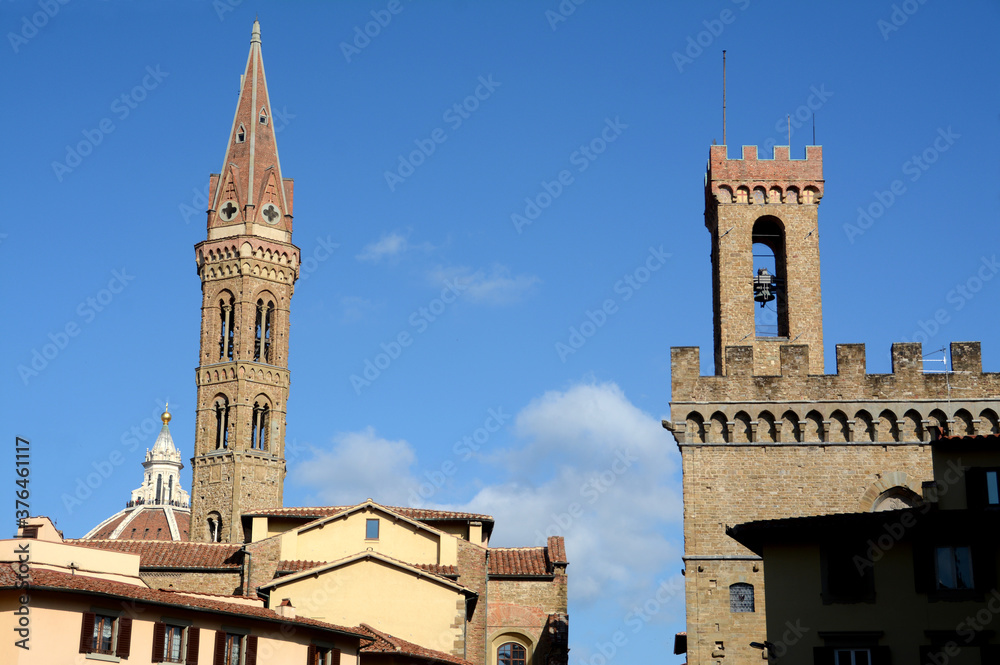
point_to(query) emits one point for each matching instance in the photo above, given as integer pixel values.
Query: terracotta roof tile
(171, 553)
(519, 562)
(109, 528)
(296, 566)
(385, 643)
(557, 549)
(420, 514)
(287, 567)
(148, 522)
(49, 579)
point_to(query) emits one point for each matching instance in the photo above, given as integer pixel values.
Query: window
(371, 530)
(317, 655)
(175, 644)
(221, 422)
(511, 653)
(953, 568)
(258, 433)
(227, 331)
(857, 650)
(214, 527)
(106, 633)
(262, 332)
(852, 657)
(241, 134)
(235, 649)
(982, 487)
(741, 597)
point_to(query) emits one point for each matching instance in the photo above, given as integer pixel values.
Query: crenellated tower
(762, 214)
(248, 267)
(769, 435)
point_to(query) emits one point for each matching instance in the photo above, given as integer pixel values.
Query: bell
(763, 287)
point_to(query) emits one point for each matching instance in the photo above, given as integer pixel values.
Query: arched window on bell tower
(221, 423)
(227, 334)
(262, 331)
(261, 420)
(769, 278)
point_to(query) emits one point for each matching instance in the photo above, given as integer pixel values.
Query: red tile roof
(557, 549)
(109, 527)
(519, 562)
(385, 643)
(172, 553)
(420, 514)
(149, 523)
(49, 579)
(298, 566)
(528, 561)
(437, 569)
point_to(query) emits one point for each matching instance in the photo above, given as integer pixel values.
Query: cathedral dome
(159, 509)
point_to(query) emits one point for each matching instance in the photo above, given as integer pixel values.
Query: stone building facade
(770, 435)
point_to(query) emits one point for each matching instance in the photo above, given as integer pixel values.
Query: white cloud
(585, 464)
(494, 287)
(614, 493)
(355, 468)
(391, 245)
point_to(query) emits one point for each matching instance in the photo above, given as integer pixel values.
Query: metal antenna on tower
(724, 97)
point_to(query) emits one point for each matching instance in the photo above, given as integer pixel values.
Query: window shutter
(335, 657)
(984, 577)
(251, 650)
(124, 645)
(193, 635)
(87, 633)
(975, 488)
(923, 567)
(822, 656)
(311, 655)
(220, 647)
(881, 656)
(159, 633)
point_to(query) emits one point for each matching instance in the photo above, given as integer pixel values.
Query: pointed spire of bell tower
(248, 267)
(249, 196)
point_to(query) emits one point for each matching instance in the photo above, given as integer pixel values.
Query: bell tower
(248, 267)
(762, 214)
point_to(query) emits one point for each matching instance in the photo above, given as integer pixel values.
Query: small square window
(371, 530)
(953, 568)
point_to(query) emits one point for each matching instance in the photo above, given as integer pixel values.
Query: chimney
(285, 609)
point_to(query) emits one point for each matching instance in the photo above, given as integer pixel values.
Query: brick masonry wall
(524, 605)
(238, 479)
(199, 581)
(472, 574)
(766, 447)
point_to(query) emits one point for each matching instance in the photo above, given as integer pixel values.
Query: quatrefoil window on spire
(228, 211)
(271, 213)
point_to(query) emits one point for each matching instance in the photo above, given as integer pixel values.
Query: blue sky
(601, 117)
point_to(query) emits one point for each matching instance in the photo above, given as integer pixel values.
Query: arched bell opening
(769, 279)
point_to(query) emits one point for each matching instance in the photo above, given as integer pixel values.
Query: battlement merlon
(780, 172)
(851, 383)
